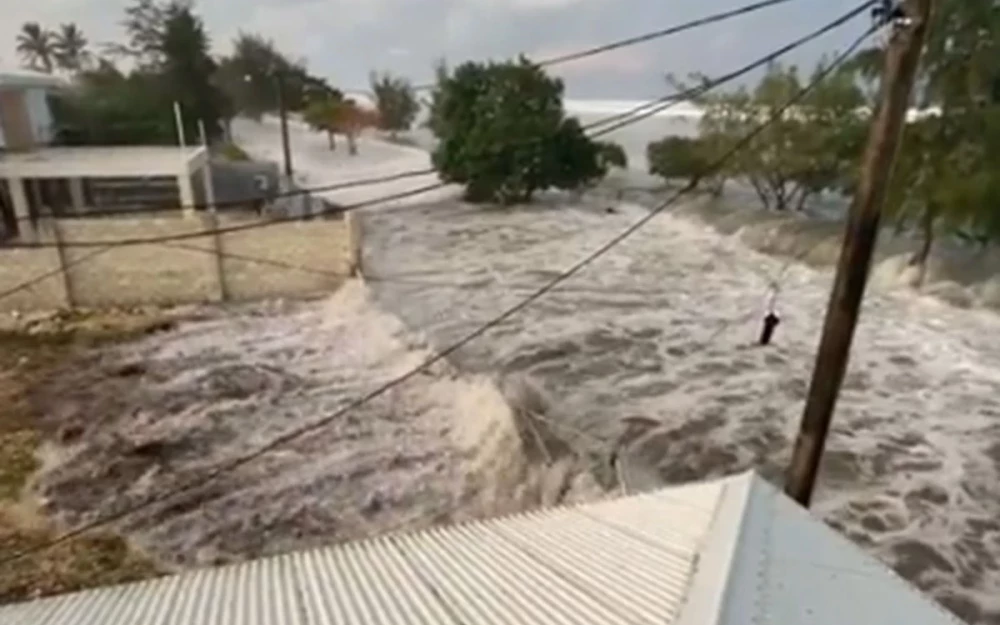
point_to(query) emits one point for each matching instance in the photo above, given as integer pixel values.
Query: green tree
(503, 133)
(70, 47)
(800, 152)
(169, 49)
(611, 155)
(396, 102)
(145, 24)
(322, 116)
(946, 180)
(109, 108)
(441, 75)
(683, 158)
(187, 70)
(36, 47)
(250, 78)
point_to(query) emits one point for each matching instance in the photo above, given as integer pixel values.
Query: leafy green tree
(169, 48)
(611, 155)
(503, 133)
(36, 47)
(188, 70)
(800, 152)
(250, 78)
(71, 48)
(110, 108)
(396, 102)
(441, 75)
(683, 158)
(145, 24)
(946, 178)
(322, 116)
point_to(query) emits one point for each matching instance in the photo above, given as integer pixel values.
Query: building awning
(733, 551)
(26, 79)
(103, 162)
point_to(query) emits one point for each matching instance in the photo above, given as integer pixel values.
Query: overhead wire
(382, 179)
(621, 119)
(646, 37)
(657, 105)
(480, 330)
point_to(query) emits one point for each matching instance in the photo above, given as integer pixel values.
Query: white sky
(344, 40)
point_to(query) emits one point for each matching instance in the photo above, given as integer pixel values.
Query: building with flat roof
(38, 179)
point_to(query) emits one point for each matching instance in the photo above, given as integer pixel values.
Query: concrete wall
(289, 259)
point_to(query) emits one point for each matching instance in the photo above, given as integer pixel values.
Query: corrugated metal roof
(808, 573)
(626, 561)
(727, 552)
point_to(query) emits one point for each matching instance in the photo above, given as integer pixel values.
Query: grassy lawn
(88, 561)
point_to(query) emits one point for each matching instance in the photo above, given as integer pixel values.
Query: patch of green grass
(17, 461)
(81, 563)
(26, 358)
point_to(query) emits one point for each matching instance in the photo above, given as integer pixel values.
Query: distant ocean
(678, 120)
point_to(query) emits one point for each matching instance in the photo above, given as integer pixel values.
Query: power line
(617, 120)
(468, 338)
(55, 272)
(173, 207)
(658, 105)
(649, 109)
(658, 34)
(226, 229)
(646, 37)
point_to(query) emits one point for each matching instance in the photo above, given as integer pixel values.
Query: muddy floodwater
(661, 331)
(663, 328)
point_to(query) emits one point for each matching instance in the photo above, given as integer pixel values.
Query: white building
(730, 552)
(37, 179)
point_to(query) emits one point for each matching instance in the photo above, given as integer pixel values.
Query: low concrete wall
(252, 261)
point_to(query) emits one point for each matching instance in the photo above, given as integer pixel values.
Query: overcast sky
(344, 39)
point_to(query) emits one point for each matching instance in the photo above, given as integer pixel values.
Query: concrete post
(64, 266)
(187, 193)
(76, 194)
(19, 197)
(354, 245)
(206, 173)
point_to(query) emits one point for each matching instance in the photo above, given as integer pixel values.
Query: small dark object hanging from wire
(771, 319)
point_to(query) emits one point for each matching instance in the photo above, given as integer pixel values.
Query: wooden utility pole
(279, 85)
(902, 58)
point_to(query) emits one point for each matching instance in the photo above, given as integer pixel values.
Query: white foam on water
(444, 446)
(664, 326)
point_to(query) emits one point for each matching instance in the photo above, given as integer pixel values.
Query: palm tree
(70, 47)
(36, 47)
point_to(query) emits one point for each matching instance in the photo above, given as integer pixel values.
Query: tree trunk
(927, 230)
(800, 203)
(761, 193)
(352, 144)
(331, 139)
(900, 225)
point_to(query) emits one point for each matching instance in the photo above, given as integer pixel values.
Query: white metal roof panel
(790, 568)
(625, 562)
(730, 552)
(804, 553)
